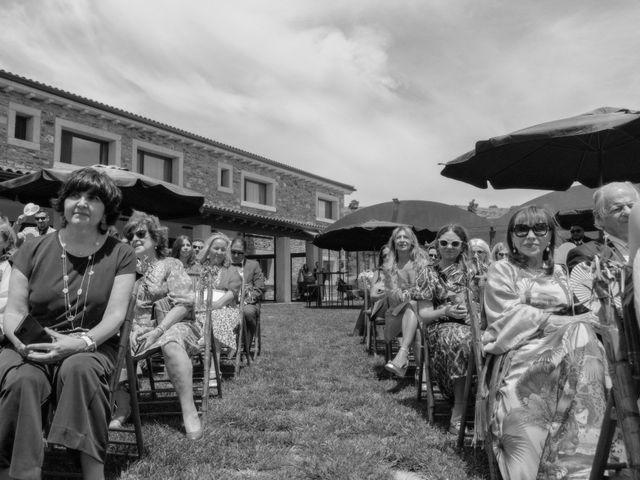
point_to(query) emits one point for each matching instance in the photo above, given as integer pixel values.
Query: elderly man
(612, 205)
(253, 283)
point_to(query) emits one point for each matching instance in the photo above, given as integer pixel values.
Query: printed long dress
(449, 340)
(167, 281)
(547, 401)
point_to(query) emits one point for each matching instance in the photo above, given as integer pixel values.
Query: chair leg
(258, 335)
(425, 376)
(604, 441)
(236, 367)
(465, 401)
(132, 378)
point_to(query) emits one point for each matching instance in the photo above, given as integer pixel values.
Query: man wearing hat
(42, 226)
(577, 236)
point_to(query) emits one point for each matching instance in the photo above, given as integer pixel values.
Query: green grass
(313, 406)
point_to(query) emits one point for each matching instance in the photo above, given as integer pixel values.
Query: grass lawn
(313, 406)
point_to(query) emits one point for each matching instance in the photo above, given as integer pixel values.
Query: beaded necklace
(88, 274)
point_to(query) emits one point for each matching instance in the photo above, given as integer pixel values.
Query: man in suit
(253, 280)
(612, 205)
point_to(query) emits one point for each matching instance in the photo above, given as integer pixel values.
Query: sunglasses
(454, 244)
(521, 230)
(237, 252)
(40, 219)
(138, 233)
(433, 255)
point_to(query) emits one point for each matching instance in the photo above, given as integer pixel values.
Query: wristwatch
(91, 343)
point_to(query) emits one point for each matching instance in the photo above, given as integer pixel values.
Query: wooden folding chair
(159, 398)
(125, 442)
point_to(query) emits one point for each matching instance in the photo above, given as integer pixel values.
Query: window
(258, 191)
(156, 166)
(24, 126)
(81, 145)
(326, 207)
(225, 178)
(83, 150)
(157, 162)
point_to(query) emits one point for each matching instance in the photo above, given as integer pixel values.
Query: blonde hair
(203, 256)
(9, 235)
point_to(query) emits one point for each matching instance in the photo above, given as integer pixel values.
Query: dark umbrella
(595, 148)
(426, 218)
(140, 192)
(362, 237)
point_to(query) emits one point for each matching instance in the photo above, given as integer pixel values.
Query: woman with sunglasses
(163, 316)
(547, 400)
(499, 251)
(76, 283)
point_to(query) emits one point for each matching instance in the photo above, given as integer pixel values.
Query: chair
(157, 398)
(346, 292)
(121, 442)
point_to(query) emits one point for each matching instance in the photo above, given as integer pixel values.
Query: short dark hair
(158, 233)
(532, 214)
(96, 183)
(241, 241)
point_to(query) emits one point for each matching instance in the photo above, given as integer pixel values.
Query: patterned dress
(223, 320)
(449, 340)
(164, 285)
(547, 389)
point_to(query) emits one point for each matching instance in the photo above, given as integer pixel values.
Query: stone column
(283, 269)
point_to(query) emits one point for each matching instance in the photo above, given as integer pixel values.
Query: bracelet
(162, 330)
(91, 343)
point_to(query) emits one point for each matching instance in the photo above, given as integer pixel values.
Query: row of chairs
(378, 340)
(151, 394)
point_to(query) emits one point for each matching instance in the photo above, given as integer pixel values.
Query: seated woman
(498, 252)
(449, 333)
(215, 259)
(7, 248)
(77, 283)
(183, 251)
(404, 260)
(163, 316)
(546, 398)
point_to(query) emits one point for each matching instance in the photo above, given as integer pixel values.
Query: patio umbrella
(594, 148)
(426, 218)
(360, 237)
(139, 192)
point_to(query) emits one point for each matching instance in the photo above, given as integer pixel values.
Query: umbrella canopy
(362, 237)
(140, 192)
(594, 148)
(426, 218)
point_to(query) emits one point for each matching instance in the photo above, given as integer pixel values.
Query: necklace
(70, 315)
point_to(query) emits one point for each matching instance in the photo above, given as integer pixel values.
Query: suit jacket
(583, 253)
(253, 281)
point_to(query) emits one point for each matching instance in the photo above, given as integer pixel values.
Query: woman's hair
(177, 247)
(96, 183)
(390, 265)
(531, 215)
(497, 248)
(382, 255)
(481, 245)
(8, 235)
(462, 235)
(158, 233)
(203, 256)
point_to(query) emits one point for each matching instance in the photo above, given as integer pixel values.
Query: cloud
(367, 92)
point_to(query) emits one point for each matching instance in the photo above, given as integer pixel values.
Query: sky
(376, 94)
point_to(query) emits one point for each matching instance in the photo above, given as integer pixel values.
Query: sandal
(398, 370)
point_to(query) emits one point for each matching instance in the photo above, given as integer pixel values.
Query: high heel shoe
(395, 369)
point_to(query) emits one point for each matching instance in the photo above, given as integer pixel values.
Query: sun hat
(30, 209)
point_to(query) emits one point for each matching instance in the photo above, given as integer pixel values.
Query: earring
(514, 251)
(546, 252)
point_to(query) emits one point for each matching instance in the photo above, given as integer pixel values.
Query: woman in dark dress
(77, 283)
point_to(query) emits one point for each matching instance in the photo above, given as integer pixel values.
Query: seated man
(253, 281)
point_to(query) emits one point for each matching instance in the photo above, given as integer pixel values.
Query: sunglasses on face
(40, 219)
(433, 255)
(521, 230)
(454, 244)
(502, 254)
(138, 233)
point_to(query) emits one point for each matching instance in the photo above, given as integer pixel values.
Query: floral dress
(449, 340)
(164, 285)
(547, 388)
(224, 320)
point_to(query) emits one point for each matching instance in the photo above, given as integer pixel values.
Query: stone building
(276, 207)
